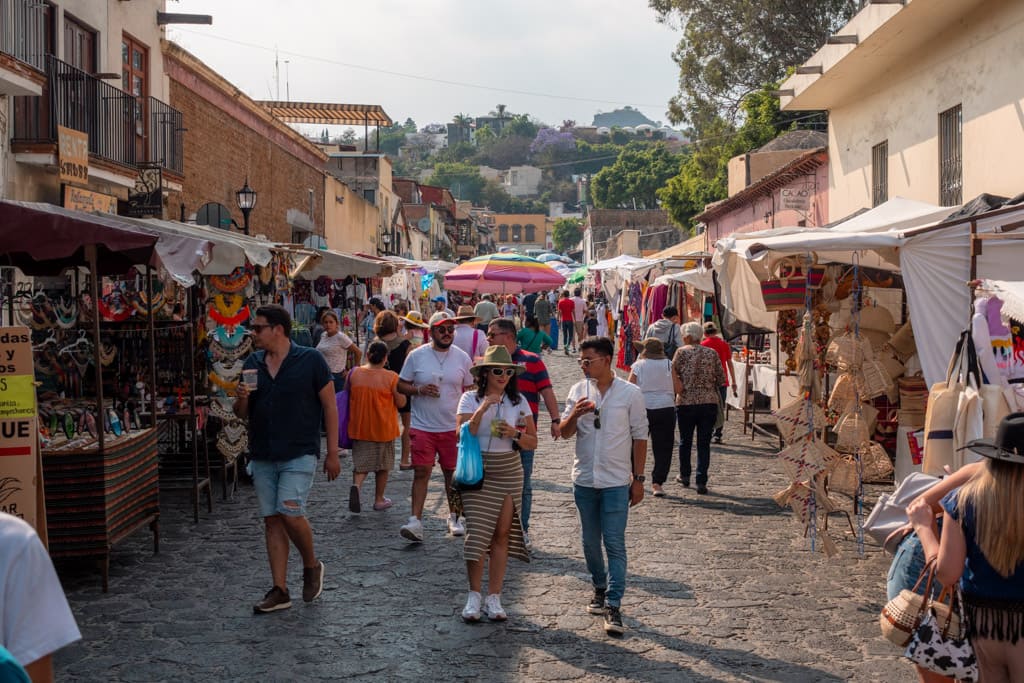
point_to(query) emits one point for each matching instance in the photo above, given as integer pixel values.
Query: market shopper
(335, 346)
(294, 390)
(373, 424)
(698, 375)
(440, 303)
(434, 375)
(35, 619)
(981, 548)
(553, 306)
(652, 372)
(533, 338)
(534, 384)
(566, 318)
(609, 420)
(579, 316)
(387, 330)
(467, 336)
(542, 312)
(485, 312)
(494, 512)
(666, 328)
(714, 341)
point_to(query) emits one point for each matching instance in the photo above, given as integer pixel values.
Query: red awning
(43, 239)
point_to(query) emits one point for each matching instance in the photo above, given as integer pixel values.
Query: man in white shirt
(609, 419)
(485, 312)
(435, 375)
(579, 314)
(467, 336)
(35, 619)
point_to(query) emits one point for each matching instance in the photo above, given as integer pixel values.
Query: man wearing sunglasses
(609, 419)
(434, 375)
(294, 388)
(534, 384)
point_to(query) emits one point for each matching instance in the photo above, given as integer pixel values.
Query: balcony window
(517, 233)
(531, 232)
(26, 31)
(880, 173)
(503, 232)
(951, 179)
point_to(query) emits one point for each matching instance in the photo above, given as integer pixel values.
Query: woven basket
(851, 431)
(791, 419)
(843, 477)
(902, 342)
(844, 392)
(875, 463)
(876, 379)
(806, 458)
(913, 394)
(911, 418)
(791, 278)
(846, 351)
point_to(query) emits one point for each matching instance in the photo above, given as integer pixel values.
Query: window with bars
(503, 232)
(951, 179)
(880, 173)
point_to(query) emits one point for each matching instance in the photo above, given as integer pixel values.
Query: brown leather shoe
(312, 582)
(275, 599)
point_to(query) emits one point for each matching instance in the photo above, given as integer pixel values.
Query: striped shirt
(534, 380)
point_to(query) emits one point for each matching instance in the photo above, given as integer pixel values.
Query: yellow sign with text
(72, 155)
(19, 463)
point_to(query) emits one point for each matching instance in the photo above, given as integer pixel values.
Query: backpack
(673, 341)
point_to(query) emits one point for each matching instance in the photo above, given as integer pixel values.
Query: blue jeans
(568, 334)
(603, 515)
(524, 514)
(906, 567)
(282, 486)
(554, 334)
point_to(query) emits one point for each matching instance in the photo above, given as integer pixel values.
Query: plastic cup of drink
(250, 379)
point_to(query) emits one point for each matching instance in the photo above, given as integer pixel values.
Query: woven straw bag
(902, 342)
(846, 351)
(791, 419)
(844, 392)
(806, 458)
(875, 463)
(876, 379)
(851, 431)
(902, 615)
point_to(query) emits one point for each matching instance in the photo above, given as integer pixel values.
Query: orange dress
(372, 412)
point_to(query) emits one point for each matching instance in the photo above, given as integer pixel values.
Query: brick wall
(229, 138)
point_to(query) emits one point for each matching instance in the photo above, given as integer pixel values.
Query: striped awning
(328, 113)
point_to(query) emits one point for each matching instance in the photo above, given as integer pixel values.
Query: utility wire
(417, 77)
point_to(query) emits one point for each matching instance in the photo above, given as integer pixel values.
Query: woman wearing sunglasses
(493, 527)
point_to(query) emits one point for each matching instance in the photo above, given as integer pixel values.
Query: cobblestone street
(721, 587)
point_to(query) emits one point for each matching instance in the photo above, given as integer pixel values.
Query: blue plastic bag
(341, 398)
(469, 466)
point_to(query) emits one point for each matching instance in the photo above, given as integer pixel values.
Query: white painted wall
(975, 63)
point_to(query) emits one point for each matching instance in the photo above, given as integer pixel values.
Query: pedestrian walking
(531, 338)
(579, 315)
(373, 424)
(510, 309)
(608, 417)
(542, 312)
(698, 375)
(467, 336)
(485, 311)
(373, 307)
(434, 375)
(652, 372)
(493, 513)
(601, 309)
(385, 327)
(35, 619)
(713, 341)
(534, 384)
(440, 303)
(666, 328)
(553, 306)
(566, 316)
(981, 549)
(294, 391)
(335, 346)
(417, 328)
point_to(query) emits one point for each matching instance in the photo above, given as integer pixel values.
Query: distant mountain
(621, 118)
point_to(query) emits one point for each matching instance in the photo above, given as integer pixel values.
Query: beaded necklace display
(228, 387)
(229, 320)
(112, 308)
(66, 313)
(222, 353)
(144, 307)
(235, 282)
(221, 303)
(228, 371)
(107, 352)
(229, 339)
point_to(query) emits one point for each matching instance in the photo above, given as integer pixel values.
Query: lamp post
(385, 239)
(246, 198)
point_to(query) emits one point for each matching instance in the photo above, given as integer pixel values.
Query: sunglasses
(498, 372)
(597, 418)
(259, 327)
(585, 362)
(445, 329)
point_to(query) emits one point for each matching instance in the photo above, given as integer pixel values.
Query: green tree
(704, 177)
(635, 177)
(520, 126)
(484, 136)
(464, 180)
(730, 48)
(567, 233)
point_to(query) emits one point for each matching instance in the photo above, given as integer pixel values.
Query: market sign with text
(19, 475)
(72, 155)
(796, 199)
(86, 200)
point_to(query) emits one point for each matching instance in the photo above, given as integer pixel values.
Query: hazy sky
(431, 59)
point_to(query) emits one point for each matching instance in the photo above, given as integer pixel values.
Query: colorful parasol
(578, 275)
(506, 273)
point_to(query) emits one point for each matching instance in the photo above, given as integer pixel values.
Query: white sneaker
(526, 540)
(456, 526)
(493, 609)
(471, 612)
(413, 531)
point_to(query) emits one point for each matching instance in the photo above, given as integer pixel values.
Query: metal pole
(94, 290)
(152, 344)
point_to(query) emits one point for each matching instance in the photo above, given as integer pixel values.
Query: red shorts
(424, 446)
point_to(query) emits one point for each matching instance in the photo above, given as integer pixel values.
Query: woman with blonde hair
(493, 526)
(982, 548)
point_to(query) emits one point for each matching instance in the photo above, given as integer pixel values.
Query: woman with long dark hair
(493, 527)
(386, 327)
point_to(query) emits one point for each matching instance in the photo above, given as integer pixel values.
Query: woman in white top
(652, 372)
(493, 528)
(335, 346)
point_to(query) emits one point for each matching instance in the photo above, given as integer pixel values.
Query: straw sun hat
(495, 357)
(652, 348)
(414, 319)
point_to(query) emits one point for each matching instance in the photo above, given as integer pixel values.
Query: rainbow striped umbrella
(506, 273)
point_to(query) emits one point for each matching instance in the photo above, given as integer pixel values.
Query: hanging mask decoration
(238, 280)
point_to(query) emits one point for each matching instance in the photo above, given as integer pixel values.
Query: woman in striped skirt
(493, 411)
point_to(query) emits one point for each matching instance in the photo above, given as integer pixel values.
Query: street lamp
(246, 198)
(385, 239)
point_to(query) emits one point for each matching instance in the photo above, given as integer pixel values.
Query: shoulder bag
(940, 643)
(890, 512)
(469, 465)
(342, 400)
(943, 404)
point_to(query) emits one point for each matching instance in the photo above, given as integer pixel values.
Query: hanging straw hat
(652, 348)
(1008, 444)
(496, 357)
(415, 319)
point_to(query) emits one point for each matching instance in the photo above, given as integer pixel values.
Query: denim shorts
(906, 567)
(280, 481)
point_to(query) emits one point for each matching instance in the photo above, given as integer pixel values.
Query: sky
(432, 59)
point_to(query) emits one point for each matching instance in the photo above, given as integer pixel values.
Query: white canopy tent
(901, 236)
(699, 278)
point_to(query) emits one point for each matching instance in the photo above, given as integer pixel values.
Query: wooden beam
(842, 40)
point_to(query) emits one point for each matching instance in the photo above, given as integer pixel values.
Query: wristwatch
(640, 478)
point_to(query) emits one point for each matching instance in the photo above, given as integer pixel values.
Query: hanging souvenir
(235, 282)
(231, 319)
(114, 308)
(228, 339)
(66, 313)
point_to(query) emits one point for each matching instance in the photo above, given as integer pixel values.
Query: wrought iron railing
(22, 31)
(122, 128)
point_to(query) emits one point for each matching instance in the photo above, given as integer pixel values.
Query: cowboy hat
(415, 319)
(496, 357)
(652, 348)
(1008, 444)
(465, 312)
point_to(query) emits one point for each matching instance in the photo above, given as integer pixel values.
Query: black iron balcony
(22, 31)
(122, 128)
